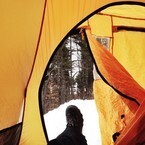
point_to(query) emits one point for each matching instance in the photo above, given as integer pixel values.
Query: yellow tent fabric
(115, 74)
(19, 33)
(30, 32)
(121, 80)
(128, 48)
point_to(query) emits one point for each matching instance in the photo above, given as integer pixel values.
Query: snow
(55, 120)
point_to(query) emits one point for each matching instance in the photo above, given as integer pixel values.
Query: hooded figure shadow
(72, 135)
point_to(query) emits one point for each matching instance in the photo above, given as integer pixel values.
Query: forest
(69, 74)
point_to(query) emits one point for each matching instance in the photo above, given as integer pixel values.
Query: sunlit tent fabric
(121, 81)
(128, 47)
(29, 34)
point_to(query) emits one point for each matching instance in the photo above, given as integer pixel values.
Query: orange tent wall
(111, 106)
(128, 49)
(19, 30)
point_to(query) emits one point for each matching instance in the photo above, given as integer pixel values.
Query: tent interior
(29, 41)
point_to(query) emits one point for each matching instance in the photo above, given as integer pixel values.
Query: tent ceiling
(131, 11)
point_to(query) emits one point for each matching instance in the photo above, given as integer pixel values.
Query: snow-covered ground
(56, 122)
